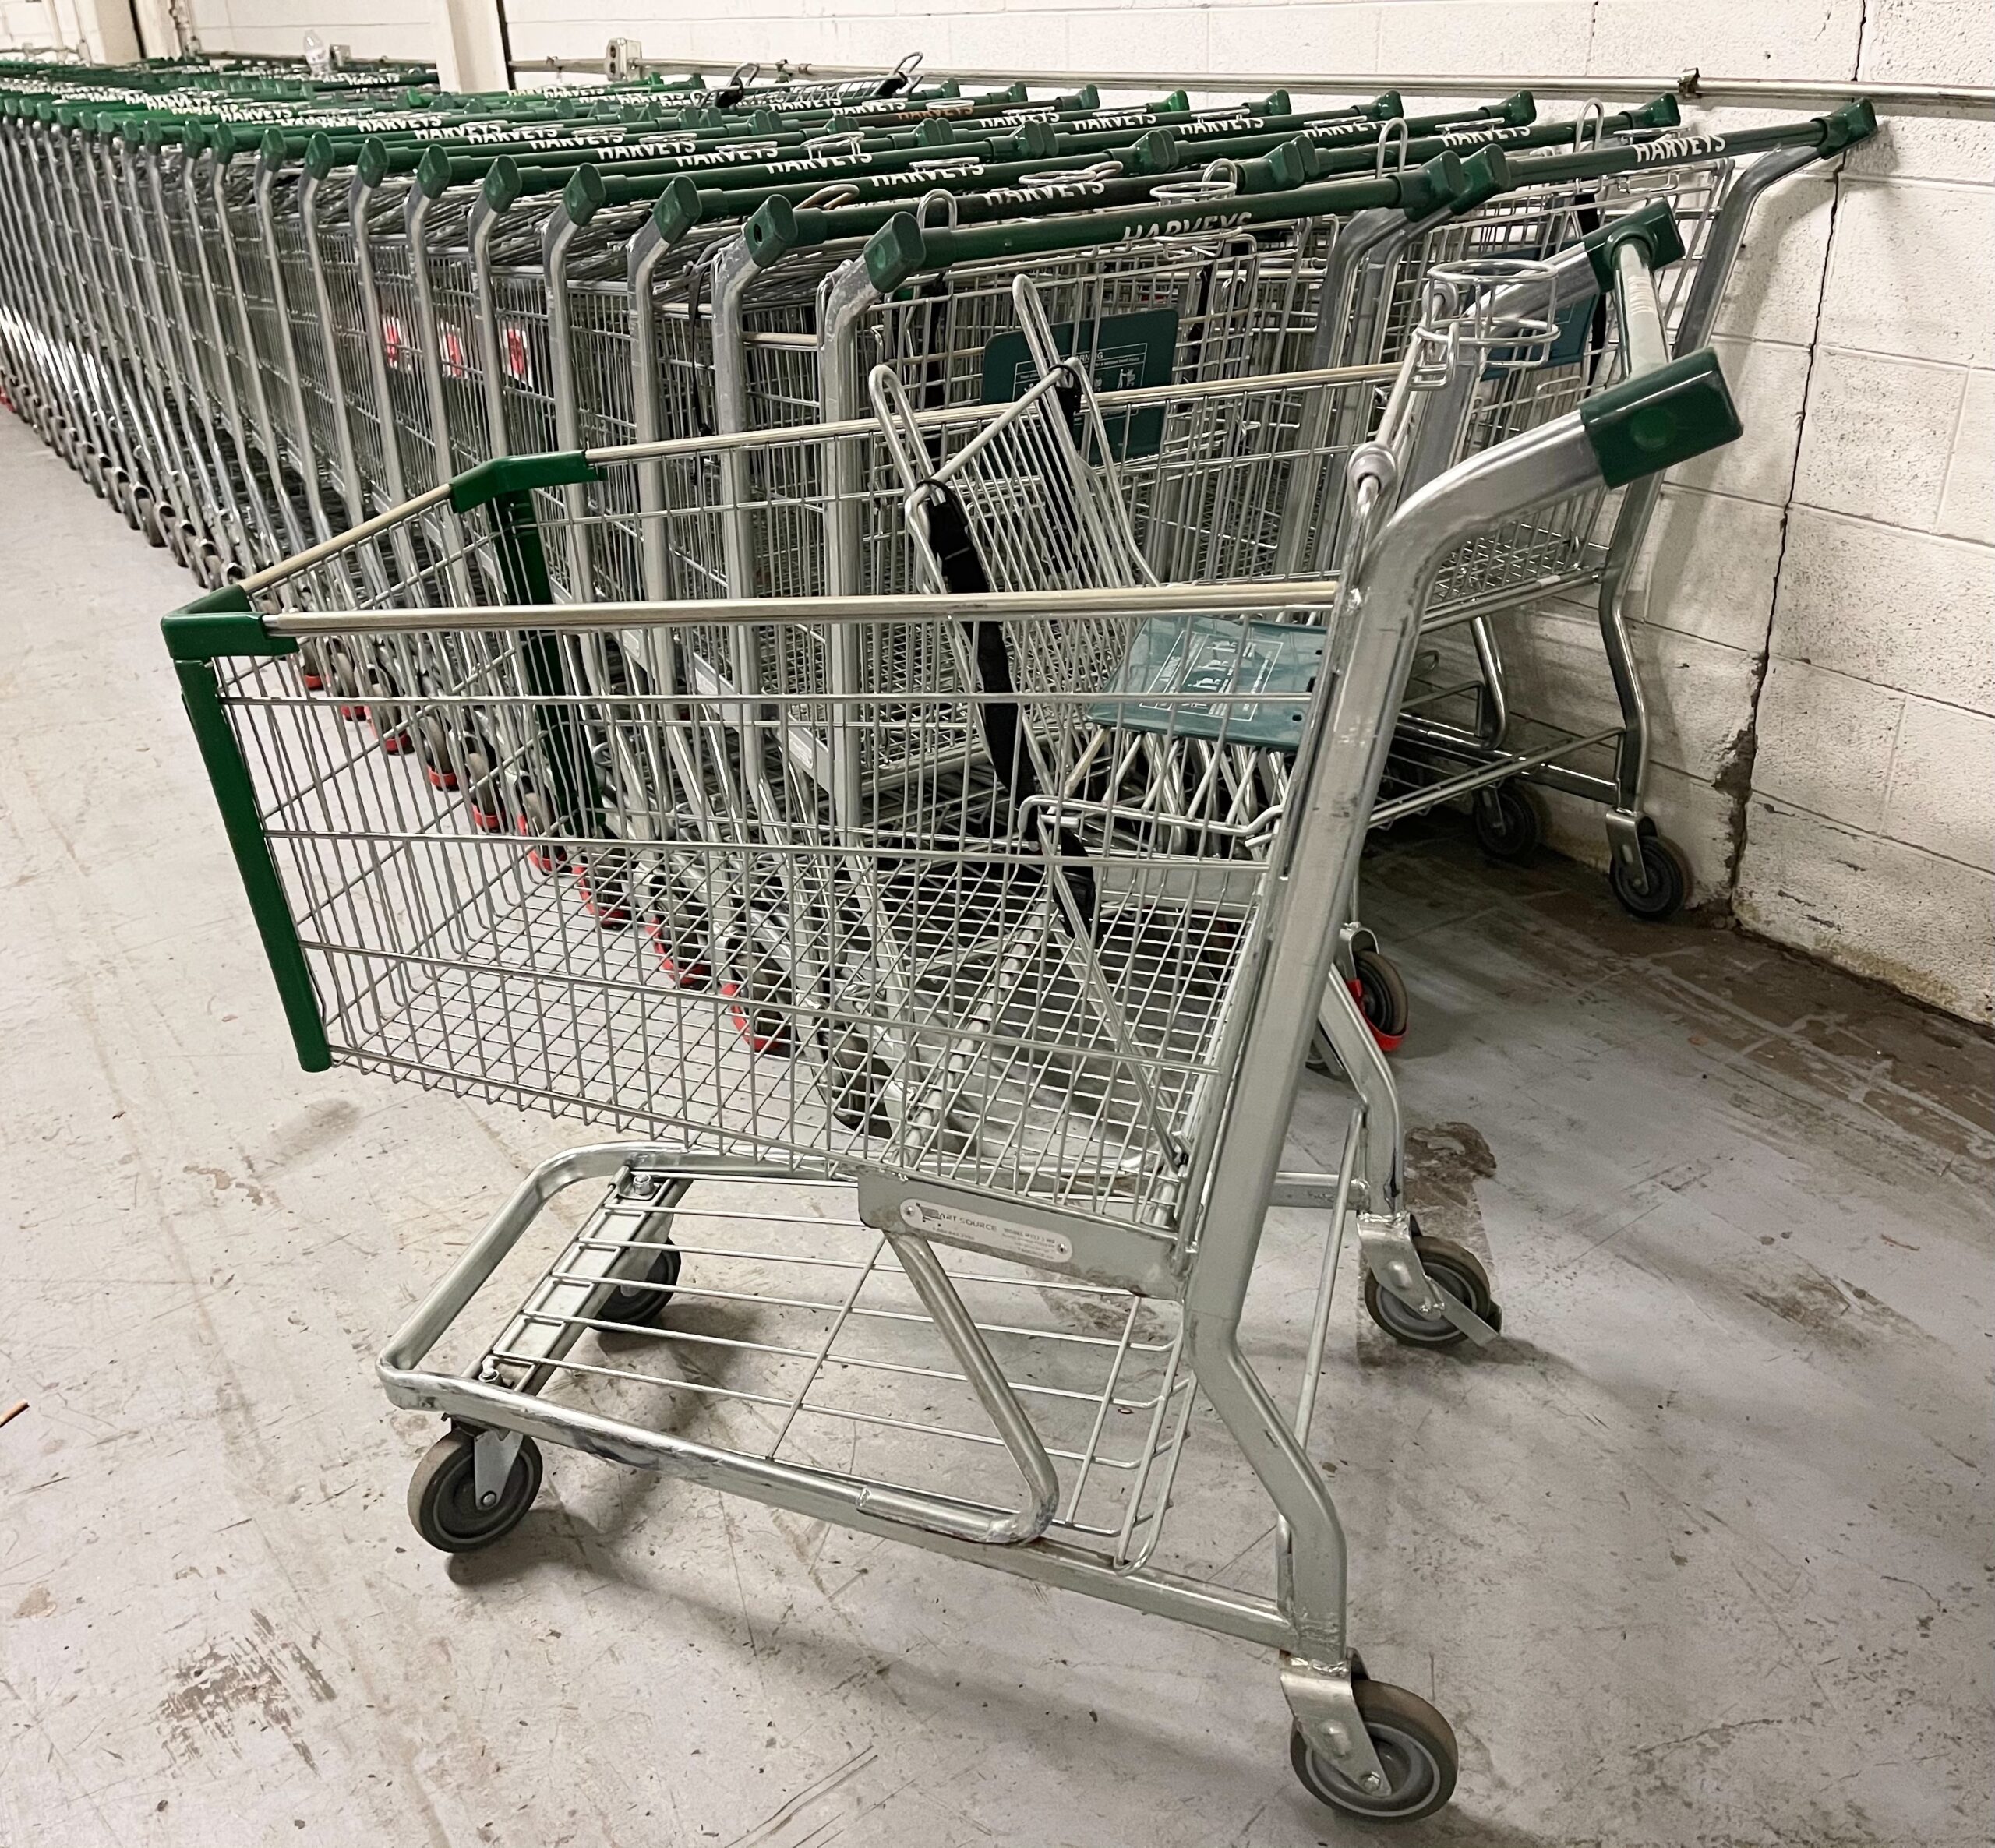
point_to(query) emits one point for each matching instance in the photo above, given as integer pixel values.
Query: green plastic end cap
(1664, 416)
(372, 163)
(761, 122)
(1518, 110)
(1461, 185)
(1015, 92)
(1088, 96)
(1652, 226)
(771, 231)
(582, 198)
(519, 475)
(938, 130)
(1388, 105)
(1037, 141)
(433, 172)
(1276, 102)
(501, 183)
(1177, 103)
(1433, 184)
(271, 151)
(1662, 112)
(1153, 151)
(894, 252)
(1851, 123)
(1293, 163)
(677, 210)
(223, 621)
(319, 154)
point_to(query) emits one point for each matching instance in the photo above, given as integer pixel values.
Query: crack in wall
(1734, 780)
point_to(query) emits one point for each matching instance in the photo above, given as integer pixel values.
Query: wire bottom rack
(764, 1319)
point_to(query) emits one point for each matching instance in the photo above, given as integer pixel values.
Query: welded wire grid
(1004, 968)
(784, 1329)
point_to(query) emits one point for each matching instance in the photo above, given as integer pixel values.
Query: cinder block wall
(1817, 615)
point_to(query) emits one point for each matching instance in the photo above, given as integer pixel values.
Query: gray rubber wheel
(1416, 1748)
(443, 1495)
(1452, 1268)
(1665, 882)
(1508, 827)
(635, 1306)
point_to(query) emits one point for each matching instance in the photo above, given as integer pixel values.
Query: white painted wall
(1817, 619)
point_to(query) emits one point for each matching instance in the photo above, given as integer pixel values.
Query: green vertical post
(235, 795)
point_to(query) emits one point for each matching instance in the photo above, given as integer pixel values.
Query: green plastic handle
(1663, 418)
(1652, 226)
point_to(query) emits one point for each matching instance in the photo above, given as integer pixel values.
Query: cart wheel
(1454, 1268)
(1416, 1748)
(639, 1308)
(856, 1080)
(388, 721)
(432, 745)
(765, 1029)
(443, 1495)
(486, 807)
(1665, 882)
(152, 517)
(537, 819)
(680, 950)
(1508, 827)
(605, 886)
(1381, 998)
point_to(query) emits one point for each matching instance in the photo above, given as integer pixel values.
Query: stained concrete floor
(1699, 1555)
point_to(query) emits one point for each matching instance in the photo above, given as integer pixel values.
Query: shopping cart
(970, 1313)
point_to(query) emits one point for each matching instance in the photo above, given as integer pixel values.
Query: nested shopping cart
(941, 1245)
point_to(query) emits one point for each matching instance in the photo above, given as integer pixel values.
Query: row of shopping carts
(856, 636)
(257, 322)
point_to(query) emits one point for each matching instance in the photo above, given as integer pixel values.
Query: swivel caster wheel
(1448, 1266)
(1381, 998)
(635, 1306)
(1508, 827)
(1417, 1751)
(443, 1494)
(1663, 885)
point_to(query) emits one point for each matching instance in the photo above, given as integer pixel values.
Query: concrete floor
(1698, 1555)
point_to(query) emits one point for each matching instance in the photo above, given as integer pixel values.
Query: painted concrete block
(1902, 609)
(1927, 42)
(1785, 38)
(1879, 437)
(1709, 570)
(1926, 147)
(1775, 289)
(1314, 37)
(1547, 37)
(1943, 783)
(1141, 39)
(1967, 503)
(1825, 743)
(1905, 917)
(1911, 272)
(1768, 384)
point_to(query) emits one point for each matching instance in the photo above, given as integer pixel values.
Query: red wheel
(442, 779)
(1381, 998)
(764, 1031)
(676, 956)
(607, 909)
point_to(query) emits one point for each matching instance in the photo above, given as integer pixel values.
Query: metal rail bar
(1689, 86)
